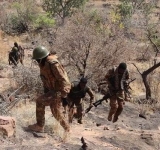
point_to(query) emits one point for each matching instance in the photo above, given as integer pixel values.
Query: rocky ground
(130, 132)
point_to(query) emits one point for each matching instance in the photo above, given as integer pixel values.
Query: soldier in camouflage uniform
(75, 97)
(115, 78)
(56, 86)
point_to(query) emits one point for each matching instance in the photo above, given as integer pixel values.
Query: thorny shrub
(89, 44)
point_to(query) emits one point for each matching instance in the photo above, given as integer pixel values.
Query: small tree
(22, 16)
(62, 8)
(89, 45)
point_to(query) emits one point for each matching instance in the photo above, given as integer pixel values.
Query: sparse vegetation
(90, 41)
(62, 8)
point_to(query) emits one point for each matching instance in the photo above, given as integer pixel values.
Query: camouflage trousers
(116, 104)
(49, 99)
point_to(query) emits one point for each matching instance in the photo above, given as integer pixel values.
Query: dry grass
(25, 114)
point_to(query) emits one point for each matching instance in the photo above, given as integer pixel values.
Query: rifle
(95, 104)
(127, 87)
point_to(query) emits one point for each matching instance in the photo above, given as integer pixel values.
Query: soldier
(15, 51)
(75, 97)
(56, 86)
(115, 78)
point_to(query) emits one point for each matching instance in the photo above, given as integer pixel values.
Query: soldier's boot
(110, 117)
(111, 113)
(36, 128)
(67, 128)
(118, 112)
(65, 125)
(80, 121)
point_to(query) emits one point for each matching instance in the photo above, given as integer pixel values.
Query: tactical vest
(112, 78)
(76, 92)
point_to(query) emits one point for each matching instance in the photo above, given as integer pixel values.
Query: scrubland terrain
(82, 34)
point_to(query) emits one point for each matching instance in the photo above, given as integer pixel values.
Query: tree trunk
(144, 76)
(148, 89)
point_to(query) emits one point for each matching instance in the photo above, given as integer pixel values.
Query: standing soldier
(75, 97)
(15, 51)
(115, 79)
(56, 86)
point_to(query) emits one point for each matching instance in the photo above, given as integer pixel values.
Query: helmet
(40, 52)
(83, 80)
(14, 49)
(123, 66)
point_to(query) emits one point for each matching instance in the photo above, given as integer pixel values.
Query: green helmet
(15, 49)
(40, 52)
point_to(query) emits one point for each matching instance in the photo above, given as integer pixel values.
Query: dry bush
(30, 78)
(89, 44)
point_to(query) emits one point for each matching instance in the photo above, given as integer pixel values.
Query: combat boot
(67, 129)
(36, 128)
(110, 116)
(115, 119)
(80, 121)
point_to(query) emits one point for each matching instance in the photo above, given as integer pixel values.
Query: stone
(7, 126)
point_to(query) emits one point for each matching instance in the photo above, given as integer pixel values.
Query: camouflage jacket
(54, 77)
(111, 78)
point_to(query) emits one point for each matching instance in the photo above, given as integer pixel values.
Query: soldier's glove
(64, 102)
(91, 105)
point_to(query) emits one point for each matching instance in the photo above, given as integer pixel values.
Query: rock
(142, 116)
(7, 126)
(105, 128)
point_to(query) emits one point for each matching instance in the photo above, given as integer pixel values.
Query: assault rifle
(95, 104)
(127, 87)
(108, 95)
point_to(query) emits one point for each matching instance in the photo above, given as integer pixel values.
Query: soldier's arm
(91, 94)
(62, 78)
(127, 75)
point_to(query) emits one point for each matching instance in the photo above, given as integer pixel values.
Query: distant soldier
(16, 54)
(15, 51)
(115, 78)
(56, 86)
(75, 97)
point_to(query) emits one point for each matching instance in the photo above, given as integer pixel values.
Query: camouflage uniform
(75, 97)
(56, 85)
(116, 90)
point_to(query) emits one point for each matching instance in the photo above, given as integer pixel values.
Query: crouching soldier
(115, 78)
(75, 97)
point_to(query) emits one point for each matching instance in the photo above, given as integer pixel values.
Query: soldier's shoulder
(52, 59)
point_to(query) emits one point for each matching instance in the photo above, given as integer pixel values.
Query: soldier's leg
(79, 112)
(41, 102)
(56, 110)
(113, 107)
(120, 99)
(71, 111)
